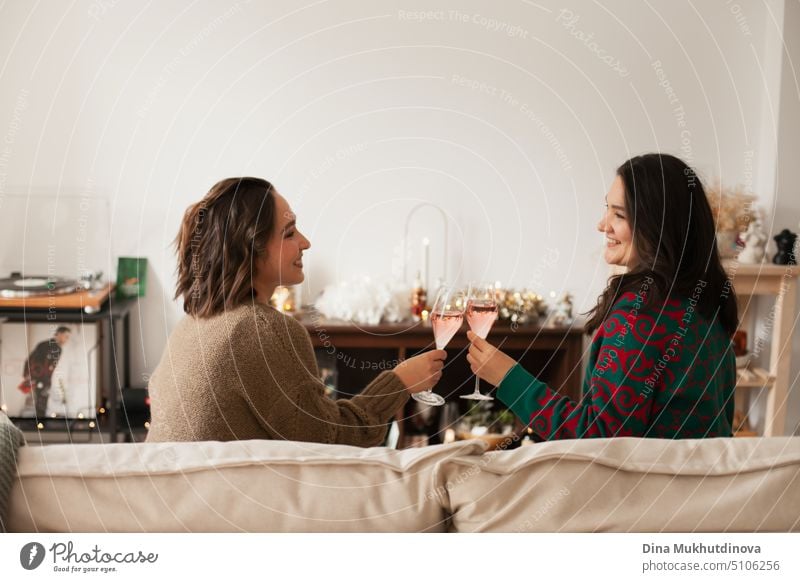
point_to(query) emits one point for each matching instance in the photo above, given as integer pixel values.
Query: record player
(50, 292)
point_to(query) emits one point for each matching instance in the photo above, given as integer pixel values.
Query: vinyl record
(36, 286)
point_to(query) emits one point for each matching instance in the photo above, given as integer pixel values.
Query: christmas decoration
(521, 306)
(563, 311)
(283, 299)
(419, 300)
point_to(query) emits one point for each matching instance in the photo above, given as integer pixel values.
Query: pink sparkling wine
(481, 317)
(445, 326)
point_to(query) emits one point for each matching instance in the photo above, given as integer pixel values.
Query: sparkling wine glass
(481, 315)
(446, 318)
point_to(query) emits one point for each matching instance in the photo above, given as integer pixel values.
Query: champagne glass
(446, 318)
(481, 315)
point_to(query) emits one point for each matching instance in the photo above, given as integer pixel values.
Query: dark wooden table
(359, 353)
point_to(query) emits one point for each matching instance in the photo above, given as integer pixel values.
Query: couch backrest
(621, 484)
(252, 486)
(629, 484)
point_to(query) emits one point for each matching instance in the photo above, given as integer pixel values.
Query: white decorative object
(726, 244)
(563, 311)
(755, 243)
(365, 301)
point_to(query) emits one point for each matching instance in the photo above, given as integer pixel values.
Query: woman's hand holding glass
(486, 361)
(421, 372)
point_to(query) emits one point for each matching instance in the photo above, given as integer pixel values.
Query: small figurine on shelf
(743, 357)
(740, 348)
(419, 300)
(755, 242)
(563, 311)
(785, 240)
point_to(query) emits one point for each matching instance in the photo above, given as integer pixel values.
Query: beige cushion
(258, 486)
(629, 484)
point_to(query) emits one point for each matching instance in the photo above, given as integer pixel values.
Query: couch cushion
(629, 484)
(254, 486)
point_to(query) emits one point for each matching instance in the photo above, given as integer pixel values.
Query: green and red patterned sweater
(661, 373)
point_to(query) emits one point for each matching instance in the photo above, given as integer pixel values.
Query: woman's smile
(614, 224)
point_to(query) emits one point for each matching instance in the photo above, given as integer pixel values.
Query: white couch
(623, 484)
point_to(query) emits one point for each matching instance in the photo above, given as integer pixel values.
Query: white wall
(510, 117)
(787, 207)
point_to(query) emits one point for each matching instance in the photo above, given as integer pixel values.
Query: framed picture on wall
(49, 370)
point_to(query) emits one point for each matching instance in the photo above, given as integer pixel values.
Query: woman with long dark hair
(234, 367)
(661, 361)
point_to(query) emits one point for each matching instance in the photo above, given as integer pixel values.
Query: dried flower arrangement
(732, 207)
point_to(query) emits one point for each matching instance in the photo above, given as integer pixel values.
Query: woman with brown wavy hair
(661, 362)
(234, 367)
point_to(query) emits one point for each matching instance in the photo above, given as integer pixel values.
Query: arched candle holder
(410, 215)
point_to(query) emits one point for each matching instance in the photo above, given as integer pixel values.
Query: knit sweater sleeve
(618, 390)
(288, 398)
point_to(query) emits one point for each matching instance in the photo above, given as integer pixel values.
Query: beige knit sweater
(250, 373)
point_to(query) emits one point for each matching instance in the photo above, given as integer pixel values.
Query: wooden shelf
(763, 279)
(745, 433)
(754, 378)
(776, 284)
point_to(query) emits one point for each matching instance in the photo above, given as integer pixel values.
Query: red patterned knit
(663, 373)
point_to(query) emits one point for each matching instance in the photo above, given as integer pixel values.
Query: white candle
(426, 247)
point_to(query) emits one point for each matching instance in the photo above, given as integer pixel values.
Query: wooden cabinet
(113, 418)
(362, 352)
